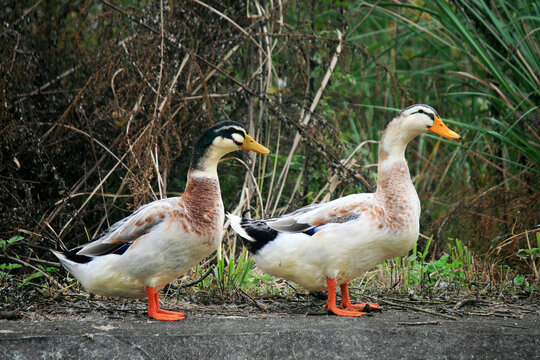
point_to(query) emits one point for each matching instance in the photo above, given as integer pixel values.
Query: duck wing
(337, 211)
(120, 235)
(307, 220)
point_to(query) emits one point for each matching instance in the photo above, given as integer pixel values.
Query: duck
(321, 246)
(137, 256)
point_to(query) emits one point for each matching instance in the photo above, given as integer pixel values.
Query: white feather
(235, 224)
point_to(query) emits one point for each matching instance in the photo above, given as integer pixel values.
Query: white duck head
(408, 124)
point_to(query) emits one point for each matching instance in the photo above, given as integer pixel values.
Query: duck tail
(68, 264)
(71, 261)
(255, 233)
(236, 224)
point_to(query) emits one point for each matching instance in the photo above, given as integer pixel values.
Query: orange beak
(250, 144)
(440, 128)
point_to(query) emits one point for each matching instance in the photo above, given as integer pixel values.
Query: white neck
(393, 144)
(392, 165)
(207, 165)
(209, 171)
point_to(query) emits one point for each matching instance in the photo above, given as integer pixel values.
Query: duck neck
(393, 144)
(394, 176)
(202, 191)
(394, 179)
(397, 195)
(204, 163)
(202, 174)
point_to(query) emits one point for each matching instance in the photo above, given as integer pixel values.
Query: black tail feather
(259, 231)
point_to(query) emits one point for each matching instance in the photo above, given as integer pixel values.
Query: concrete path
(386, 335)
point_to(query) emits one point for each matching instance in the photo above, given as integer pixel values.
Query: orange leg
(346, 301)
(155, 312)
(331, 302)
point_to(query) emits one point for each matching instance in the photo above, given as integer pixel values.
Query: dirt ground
(277, 327)
(36, 305)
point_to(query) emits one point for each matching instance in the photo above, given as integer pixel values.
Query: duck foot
(331, 302)
(346, 302)
(159, 314)
(365, 307)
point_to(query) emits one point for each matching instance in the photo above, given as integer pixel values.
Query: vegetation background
(101, 101)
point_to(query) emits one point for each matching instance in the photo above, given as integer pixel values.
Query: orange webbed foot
(168, 312)
(346, 302)
(360, 307)
(331, 302)
(170, 316)
(159, 314)
(341, 312)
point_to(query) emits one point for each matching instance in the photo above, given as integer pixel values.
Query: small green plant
(460, 254)
(231, 273)
(531, 254)
(444, 269)
(519, 280)
(451, 267)
(27, 280)
(415, 264)
(260, 282)
(13, 240)
(5, 269)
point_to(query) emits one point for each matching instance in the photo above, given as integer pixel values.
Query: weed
(231, 273)
(38, 274)
(451, 269)
(5, 269)
(6, 243)
(531, 254)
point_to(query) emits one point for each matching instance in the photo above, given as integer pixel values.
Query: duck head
(219, 140)
(408, 124)
(418, 119)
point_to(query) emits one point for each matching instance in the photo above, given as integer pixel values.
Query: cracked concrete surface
(386, 335)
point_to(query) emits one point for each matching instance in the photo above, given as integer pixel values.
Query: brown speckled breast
(202, 206)
(394, 194)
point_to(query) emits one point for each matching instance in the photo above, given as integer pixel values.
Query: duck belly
(309, 260)
(288, 258)
(149, 262)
